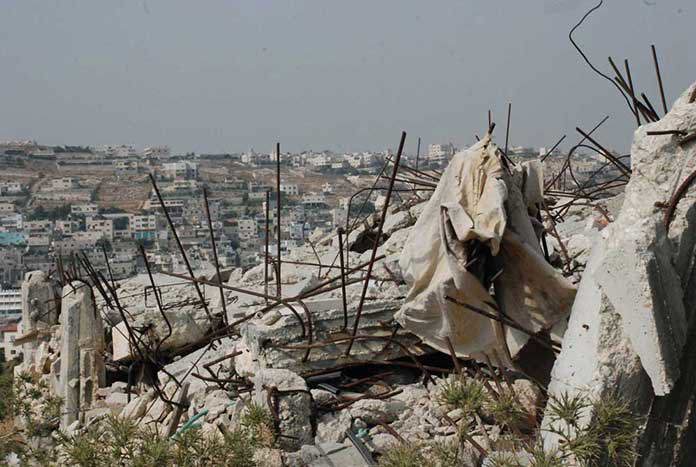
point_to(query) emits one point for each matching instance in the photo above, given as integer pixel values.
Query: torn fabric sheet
(478, 218)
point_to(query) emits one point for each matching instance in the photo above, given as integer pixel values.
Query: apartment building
(8, 334)
(84, 209)
(143, 227)
(63, 184)
(313, 198)
(10, 188)
(157, 152)
(10, 303)
(290, 189)
(101, 225)
(180, 170)
(6, 209)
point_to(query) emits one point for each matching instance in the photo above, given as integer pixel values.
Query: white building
(319, 160)
(66, 226)
(39, 226)
(78, 242)
(10, 303)
(65, 183)
(10, 188)
(84, 209)
(143, 222)
(12, 221)
(6, 209)
(117, 151)
(439, 153)
(180, 170)
(290, 189)
(101, 225)
(157, 152)
(8, 334)
(313, 198)
(246, 228)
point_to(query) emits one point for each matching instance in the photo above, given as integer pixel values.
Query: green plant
(506, 409)
(258, 422)
(445, 453)
(615, 427)
(117, 441)
(404, 455)
(540, 457)
(85, 449)
(503, 459)
(609, 435)
(458, 392)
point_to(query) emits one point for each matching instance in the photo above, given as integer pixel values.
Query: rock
(116, 401)
(529, 395)
(322, 397)
(309, 454)
(397, 221)
(455, 414)
(159, 409)
(417, 209)
(185, 330)
(373, 410)
(332, 454)
(216, 402)
(293, 459)
(198, 359)
(119, 386)
(382, 442)
(136, 407)
(332, 427)
(294, 405)
(267, 457)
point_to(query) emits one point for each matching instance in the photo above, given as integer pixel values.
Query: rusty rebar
(507, 128)
(619, 165)
(453, 354)
(373, 255)
(265, 269)
(278, 207)
(215, 255)
(632, 89)
(418, 152)
(343, 278)
(181, 247)
(157, 300)
(659, 78)
(674, 200)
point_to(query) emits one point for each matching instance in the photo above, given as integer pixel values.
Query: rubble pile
(431, 344)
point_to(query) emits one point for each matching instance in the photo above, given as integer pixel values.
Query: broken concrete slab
(82, 369)
(628, 325)
(281, 345)
(40, 308)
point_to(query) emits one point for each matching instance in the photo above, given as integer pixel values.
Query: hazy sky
(212, 76)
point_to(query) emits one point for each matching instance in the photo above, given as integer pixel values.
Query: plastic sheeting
(478, 219)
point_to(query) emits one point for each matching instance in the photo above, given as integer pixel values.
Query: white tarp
(478, 199)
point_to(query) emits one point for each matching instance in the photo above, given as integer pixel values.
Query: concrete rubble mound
(448, 319)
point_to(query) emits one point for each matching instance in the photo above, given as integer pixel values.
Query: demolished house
(480, 276)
